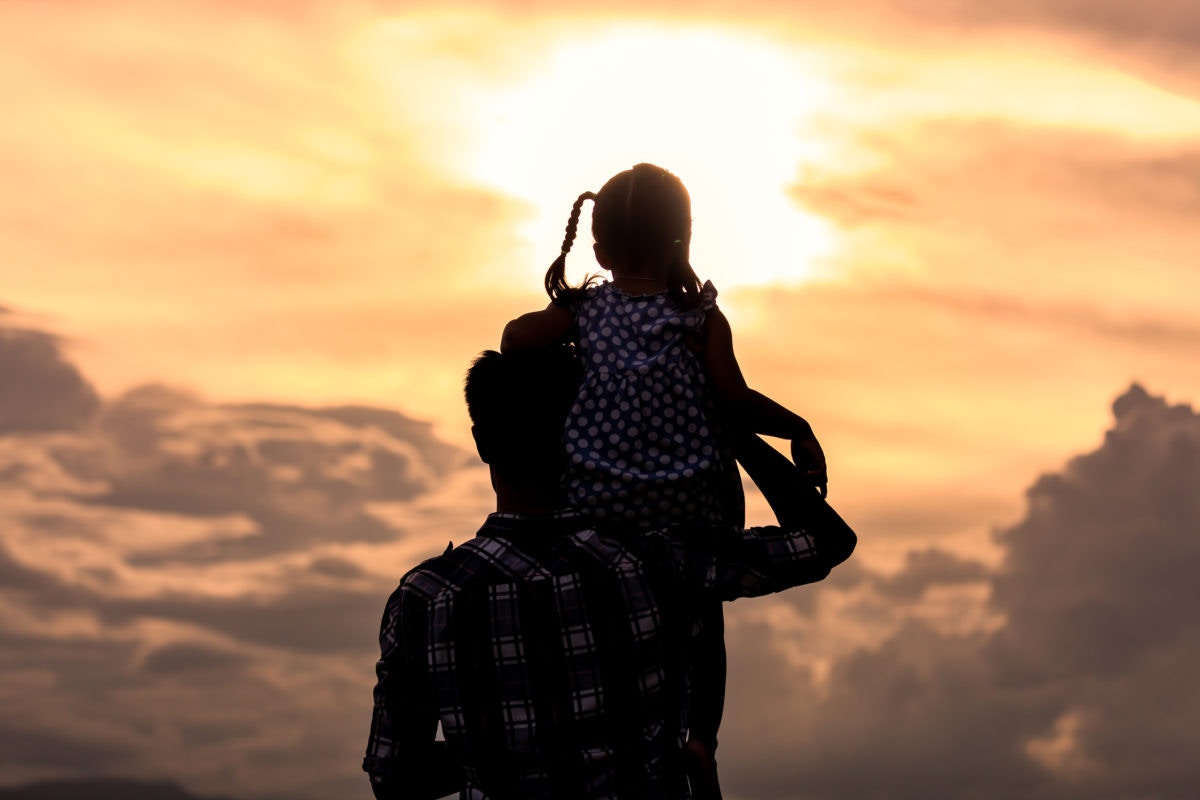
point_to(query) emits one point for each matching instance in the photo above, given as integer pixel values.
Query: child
(652, 320)
(647, 437)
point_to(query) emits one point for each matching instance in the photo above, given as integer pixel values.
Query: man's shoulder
(459, 566)
(506, 547)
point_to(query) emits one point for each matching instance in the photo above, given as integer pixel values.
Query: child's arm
(754, 410)
(537, 329)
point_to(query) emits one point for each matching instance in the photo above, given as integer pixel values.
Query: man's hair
(518, 403)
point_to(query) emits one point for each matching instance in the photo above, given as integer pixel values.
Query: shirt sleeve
(731, 563)
(403, 760)
(763, 560)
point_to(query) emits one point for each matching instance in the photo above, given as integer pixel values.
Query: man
(552, 653)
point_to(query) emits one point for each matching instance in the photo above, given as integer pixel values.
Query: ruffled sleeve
(708, 296)
(574, 298)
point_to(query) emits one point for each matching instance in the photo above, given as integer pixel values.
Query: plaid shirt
(552, 655)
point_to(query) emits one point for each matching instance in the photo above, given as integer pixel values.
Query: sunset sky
(247, 250)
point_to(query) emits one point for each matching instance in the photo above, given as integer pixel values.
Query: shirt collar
(555, 522)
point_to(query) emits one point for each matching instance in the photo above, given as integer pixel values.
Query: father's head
(518, 403)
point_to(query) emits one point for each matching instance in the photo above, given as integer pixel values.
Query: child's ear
(601, 256)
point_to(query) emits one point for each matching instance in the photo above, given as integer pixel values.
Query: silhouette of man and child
(574, 648)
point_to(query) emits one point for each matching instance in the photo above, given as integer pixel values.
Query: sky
(247, 251)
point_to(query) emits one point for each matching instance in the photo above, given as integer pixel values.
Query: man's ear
(482, 445)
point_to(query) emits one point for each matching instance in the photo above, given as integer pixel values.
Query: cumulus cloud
(192, 589)
(1080, 685)
(931, 567)
(299, 476)
(211, 566)
(39, 389)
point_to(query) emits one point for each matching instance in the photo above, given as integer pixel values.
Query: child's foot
(702, 771)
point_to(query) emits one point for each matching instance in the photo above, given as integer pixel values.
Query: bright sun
(727, 113)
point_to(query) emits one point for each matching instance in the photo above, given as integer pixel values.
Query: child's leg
(707, 669)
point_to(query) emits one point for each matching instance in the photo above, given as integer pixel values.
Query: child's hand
(810, 459)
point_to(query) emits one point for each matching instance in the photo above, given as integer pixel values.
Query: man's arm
(796, 503)
(403, 760)
(810, 540)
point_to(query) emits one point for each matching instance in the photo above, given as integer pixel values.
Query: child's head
(642, 215)
(641, 221)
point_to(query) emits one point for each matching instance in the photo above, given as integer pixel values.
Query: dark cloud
(337, 568)
(931, 567)
(295, 477)
(184, 579)
(187, 660)
(143, 620)
(17, 577)
(1082, 690)
(303, 618)
(1116, 524)
(39, 389)
(440, 455)
(99, 789)
(21, 747)
(301, 476)
(175, 452)
(78, 673)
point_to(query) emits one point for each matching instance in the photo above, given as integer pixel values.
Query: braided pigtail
(683, 284)
(562, 293)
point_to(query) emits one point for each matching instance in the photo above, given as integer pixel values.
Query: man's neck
(520, 497)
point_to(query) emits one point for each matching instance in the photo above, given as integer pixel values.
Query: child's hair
(641, 212)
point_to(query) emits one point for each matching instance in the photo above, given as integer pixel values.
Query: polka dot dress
(640, 441)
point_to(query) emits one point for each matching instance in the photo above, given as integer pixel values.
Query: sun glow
(729, 114)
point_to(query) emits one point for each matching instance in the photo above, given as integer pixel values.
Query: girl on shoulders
(660, 373)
